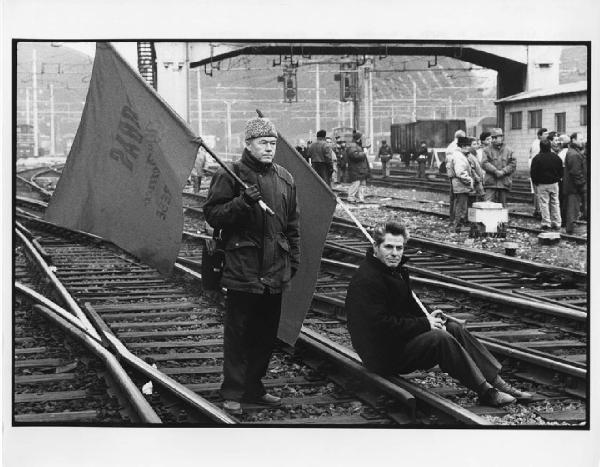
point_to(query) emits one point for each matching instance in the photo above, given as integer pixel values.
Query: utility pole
(317, 99)
(366, 101)
(414, 113)
(228, 119)
(35, 107)
(199, 89)
(27, 115)
(371, 133)
(52, 133)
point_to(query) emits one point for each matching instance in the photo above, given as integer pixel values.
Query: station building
(562, 108)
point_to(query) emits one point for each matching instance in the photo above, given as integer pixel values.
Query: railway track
(518, 221)
(322, 323)
(520, 192)
(163, 321)
(473, 268)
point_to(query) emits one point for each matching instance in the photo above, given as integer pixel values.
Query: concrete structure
(562, 108)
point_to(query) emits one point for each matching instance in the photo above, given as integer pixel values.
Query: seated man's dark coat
(382, 314)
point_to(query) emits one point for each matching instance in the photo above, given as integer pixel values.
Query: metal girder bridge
(510, 61)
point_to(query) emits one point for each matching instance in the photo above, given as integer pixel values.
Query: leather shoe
(232, 407)
(266, 399)
(495, 398)
(503, 386)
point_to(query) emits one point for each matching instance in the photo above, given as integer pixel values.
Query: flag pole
(366, 234)
(238, 180)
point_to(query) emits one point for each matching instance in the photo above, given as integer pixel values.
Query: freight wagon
(406, 137)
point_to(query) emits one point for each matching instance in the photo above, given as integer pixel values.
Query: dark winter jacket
(319, 151)
(260, 250)
(385, 153)
(498, 159)
(575, 174)
(382, 314)
(358, 164)
(546, 168)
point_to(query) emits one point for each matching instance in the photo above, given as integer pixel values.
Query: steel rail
(57, 284)
(47, 194)
(317, 342)
(497, 346)
(73, 327)
(168, 383)
(177, 389)
(482, 293)
(498, 259)
(396, 384)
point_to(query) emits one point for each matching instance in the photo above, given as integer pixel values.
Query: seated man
(392, 334)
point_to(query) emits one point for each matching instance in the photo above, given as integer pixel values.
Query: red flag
(316, 203)
(127, 167)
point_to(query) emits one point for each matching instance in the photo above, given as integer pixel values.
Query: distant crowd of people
(482, 170)
(558, 170)
(339, 161)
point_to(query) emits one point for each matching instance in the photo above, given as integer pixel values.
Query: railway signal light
(347, 88)
(290, 86)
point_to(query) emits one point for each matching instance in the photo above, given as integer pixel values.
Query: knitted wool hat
(257, 127)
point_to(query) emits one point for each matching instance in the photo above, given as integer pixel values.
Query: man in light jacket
(499, 164)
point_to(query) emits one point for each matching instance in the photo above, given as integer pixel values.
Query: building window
(516, 120)
(535, 119)
(583, 115)
(560, 122)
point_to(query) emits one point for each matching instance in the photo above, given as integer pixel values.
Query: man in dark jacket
(392, 334)
(575, 182)
(546, 172)
(321, 157)
(422, 159)
(261, 256)
(385, 155)
(358, 169)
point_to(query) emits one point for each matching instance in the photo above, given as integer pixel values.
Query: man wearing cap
(358, 169)
(575, 182)
(321, 157)
(499, 164)
(453, 146)
(534, 150)
(385, 154)
(462, 179)
(262, 254)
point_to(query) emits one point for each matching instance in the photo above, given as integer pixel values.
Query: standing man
(342, 162)
(453, 146)
(321, 157)
(422, 158)
(392, 334)
(262, 254)
(462, 181)
(575, 182)
(385, 154)
(358, 169)
(485, 139)
(534, 150)
(546, 172)
(499, 164)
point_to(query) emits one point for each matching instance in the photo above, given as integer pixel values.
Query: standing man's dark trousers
(451, 203)
(576, 204)
(456, 351)
(496, 195)
(251, 323)
(324, 171)
(461, 201)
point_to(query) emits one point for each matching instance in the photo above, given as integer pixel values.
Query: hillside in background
(448, 88)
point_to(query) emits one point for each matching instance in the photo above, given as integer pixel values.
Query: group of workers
(338, 161)
(391, 331)
(558, 170)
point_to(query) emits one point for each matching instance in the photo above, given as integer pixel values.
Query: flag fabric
(127, 167)
(316, 203)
